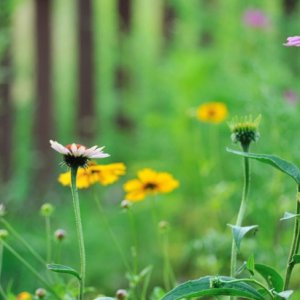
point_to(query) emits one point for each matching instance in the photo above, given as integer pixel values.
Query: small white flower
(76, 154)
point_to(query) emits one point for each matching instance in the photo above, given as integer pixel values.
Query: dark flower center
(150, 186)
(75, 161)
(211, 112)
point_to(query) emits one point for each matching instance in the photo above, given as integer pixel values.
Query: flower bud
(125, 204)
(244, 130)
(47, 209)
(121, 294)
(3, 234)
(163, 225)
(60, 234)
(40, 293)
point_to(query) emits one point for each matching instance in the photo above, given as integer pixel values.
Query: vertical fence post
(5, 95)
(122, 73)
(5, 116)
(43, 125)
(86, 108)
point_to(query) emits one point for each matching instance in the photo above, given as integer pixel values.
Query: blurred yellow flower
(149, 182)
(93, 173)
(24, 296)
(212, 112)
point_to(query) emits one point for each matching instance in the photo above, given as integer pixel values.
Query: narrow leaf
(285, 294)
(63, 269)
(157, 293)
(296, 259)
(250, 264)
(275, 161)
(288, 215)
(272, 277)
(213, 286)
(239, 232)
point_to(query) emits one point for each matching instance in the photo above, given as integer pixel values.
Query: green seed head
(40, 293)
(3, 234)
(244, 130)
(47, 210)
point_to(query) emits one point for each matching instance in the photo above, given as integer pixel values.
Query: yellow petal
(147, 175)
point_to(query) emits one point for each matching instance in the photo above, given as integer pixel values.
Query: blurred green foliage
(211, 55)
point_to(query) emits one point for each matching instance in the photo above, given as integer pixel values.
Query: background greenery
(211, 55)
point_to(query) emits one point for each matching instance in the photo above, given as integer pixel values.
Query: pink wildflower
(293, 41)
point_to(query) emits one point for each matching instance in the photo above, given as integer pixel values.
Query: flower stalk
(78, 222)
(294, 245)
(242, 211)
(30, 268)
(243, 131)
(22, 241)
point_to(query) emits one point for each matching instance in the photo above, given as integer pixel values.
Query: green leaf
(157, 293)
(104, 298)
(275, 161)
(296, 259)
(285, 294)
(213, 286)
(272, 277)
(288, 215)
(63, 269)
(250, 264)
(239, 232)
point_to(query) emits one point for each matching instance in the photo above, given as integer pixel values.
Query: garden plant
(196, 193)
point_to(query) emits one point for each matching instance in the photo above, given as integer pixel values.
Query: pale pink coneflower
(76, 155)
(293, 41)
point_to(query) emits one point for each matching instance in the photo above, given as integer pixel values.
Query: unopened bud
(125, 204)
(47, 210)
(60, 234)
(40, 293)
(3, 234)
(163, 225)
(121, 294)
(244, 130)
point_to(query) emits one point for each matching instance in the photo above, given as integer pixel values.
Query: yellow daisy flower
(102, 174)
(149, 182)
(212, 112)
(24, 296)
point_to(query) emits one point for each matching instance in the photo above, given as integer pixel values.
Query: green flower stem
(146, 285)
(241, 212)
(295, 244)
(168, 273)
(134, 248)
(113, 236)
(30, 268)
(79, 230)
(48, 238)
(1, 259)
(22, 241)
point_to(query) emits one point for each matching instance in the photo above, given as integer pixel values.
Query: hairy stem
(294, 245)
(79, 230)
(241, 213)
